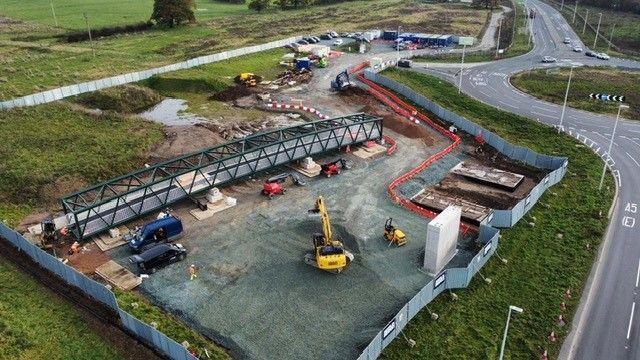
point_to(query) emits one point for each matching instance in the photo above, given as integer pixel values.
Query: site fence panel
(99, 292)
(70, 90)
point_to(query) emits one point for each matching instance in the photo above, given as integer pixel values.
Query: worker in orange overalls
(193, 272)
(75, 248)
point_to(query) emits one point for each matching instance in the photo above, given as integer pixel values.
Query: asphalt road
(607, 325)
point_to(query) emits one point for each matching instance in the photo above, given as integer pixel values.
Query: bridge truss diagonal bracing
(116, 201)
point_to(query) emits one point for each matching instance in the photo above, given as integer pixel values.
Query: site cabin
(165, 229)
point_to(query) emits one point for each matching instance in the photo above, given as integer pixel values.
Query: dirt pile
(299, 76)
(128, 99)
(232, 93)
(390, 119)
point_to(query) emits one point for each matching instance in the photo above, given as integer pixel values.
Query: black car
(303, 42)
(158, 256)
(326, 37)
(310, 40)
(590, 53)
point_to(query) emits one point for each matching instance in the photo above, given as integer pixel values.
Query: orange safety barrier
(392, 142)
(411, 113)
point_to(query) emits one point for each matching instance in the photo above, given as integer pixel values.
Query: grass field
(48, 149)
(626, 34)
(551, 86)
(35, 325)
(32, 60)
(100, 13)
(541, 266)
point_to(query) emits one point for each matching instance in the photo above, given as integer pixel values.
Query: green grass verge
(541, 265)
(169, 325)
(48, 150)
(551, 86)
(28, 65)
(626, 34)
(102, 13)
(34, 325)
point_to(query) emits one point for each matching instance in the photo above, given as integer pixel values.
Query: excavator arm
(326, 222)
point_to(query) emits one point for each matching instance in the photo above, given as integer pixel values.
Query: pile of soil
(491, 157)
(390, 119)
(232, 93)
(183, 139)
(300, 76)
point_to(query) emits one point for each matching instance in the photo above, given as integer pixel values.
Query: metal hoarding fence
(70, 90)
(99, 292)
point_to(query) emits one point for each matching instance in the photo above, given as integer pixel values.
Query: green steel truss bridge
(120, 200)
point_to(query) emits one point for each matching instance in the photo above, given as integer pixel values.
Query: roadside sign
(607, 97)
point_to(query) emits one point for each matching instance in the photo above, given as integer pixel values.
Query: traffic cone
(560, 321)
(552, 336)
(563, 306)
(544, 356)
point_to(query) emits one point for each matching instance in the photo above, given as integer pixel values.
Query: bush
(78, 36)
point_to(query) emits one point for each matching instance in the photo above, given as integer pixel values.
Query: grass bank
(49, 150)
(626, 34)
(196, 85)
(541, 266)
(140, 308)
(36, 325)
(551, 86)
(33, 60)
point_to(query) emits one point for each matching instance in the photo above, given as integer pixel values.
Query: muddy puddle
(171, 112)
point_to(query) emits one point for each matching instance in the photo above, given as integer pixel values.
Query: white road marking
(633, 308)
(638, 274)
(634, 160)
(539, 114)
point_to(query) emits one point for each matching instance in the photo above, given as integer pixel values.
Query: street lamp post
(585, 21)
(566, 96)
(597, 33)
(613, 133)
(611, 37)
(506, 328)
(461, 68)
(562, 5)
(398, 44)
(575, 8)
(499, 30)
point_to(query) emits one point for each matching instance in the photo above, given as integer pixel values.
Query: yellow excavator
(329, 253)
(394, 235)
(248, 79)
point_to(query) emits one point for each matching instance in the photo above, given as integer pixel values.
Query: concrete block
(230, 201)
(114, 233)
(214, 195)
(442, 238)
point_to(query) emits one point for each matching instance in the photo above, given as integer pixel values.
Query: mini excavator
(274, 185)
(329, 253)
(394, 235)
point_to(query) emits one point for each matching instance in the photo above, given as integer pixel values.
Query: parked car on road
(603, 56)
(577, 49)
(567, 40)
(326, 37)
(158, 256)
(337, 42)
(303, 42)
(548, 59)
(590, 53)
(166, 229)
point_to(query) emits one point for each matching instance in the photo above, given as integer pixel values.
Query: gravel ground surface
(255, 295)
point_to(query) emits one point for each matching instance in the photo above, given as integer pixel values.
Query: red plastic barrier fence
(392, 144)
(411, 113)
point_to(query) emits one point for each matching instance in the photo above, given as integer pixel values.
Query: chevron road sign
(607, 97)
